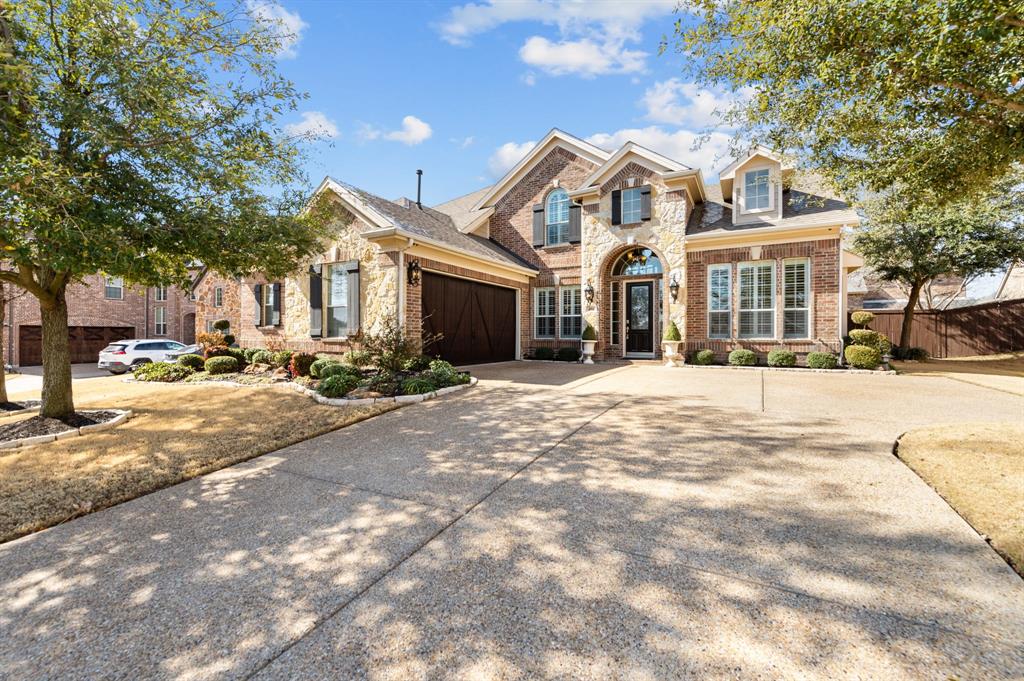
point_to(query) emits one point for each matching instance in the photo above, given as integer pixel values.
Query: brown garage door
(86, 342)
(476, 322)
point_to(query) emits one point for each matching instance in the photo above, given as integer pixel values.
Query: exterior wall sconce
(673, 287)
(414, 273)
(588, 291)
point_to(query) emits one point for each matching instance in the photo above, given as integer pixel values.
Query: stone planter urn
(671, 350)
(588, 351)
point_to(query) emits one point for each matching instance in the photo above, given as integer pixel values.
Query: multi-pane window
(544, 313)
(631, 206)
(336, 300)
(757, 300)
(572, 312)
(218, 296)
(756, 190)
(720, 301)
(113, 288)
(556, 216)
(615, 313)
(160, 321)
(267, 293)
(160, 294)
(796, 295)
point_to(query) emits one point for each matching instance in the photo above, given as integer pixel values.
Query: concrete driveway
(30, 379)
(557, 521)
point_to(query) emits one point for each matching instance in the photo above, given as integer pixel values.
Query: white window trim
(107, 284)
(560, 225)
(739, 307)
(218, 296)
(267, 305)
(728, 310)
(743, 191)
(159, 312)
(554, 312)
(562, 291)
(639, 206)
(325, 311)
(160, 294)
(809, 283)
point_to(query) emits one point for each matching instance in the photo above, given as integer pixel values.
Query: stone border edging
(122, 416)
(26, 410)
(805, 370)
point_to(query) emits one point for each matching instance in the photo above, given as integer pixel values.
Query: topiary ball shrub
(222, 325)
(221, 365)
(543, 353)
(163, 372)
(194, 362)
(417, 385)
(862, 356)
(781, 358)
(337, 386)
(862, 317)
(871, 339)
(229, 339)
(568, 354)
(358, 358)
(822, 360)
(589, 333)
(338, 369)
(672, 332)
(742, 358)
(262, 357)
(281, 358)
(703, 357)
(418, 363)
(315, 367)
(301, 363)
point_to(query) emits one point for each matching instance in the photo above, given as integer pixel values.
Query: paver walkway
(555, 522)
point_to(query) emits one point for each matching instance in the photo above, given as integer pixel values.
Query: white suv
(120, 356)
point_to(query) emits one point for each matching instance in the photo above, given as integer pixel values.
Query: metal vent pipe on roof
(419, 187)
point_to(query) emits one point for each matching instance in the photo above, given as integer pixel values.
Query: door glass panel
(639, 308)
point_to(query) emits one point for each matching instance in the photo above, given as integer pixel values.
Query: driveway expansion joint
(368, 490)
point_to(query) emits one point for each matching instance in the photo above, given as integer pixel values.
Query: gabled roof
(462, 212)
(729, 172)
(625, 153)
(555, 138)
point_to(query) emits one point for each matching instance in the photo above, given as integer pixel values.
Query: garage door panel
(475, 321)
(85, 342)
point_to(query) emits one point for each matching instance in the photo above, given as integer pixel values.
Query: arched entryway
(633, 281)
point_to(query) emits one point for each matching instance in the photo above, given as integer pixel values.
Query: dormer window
(557, 217)
(756, 190)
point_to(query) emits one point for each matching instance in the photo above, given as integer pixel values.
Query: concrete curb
(797, 369)
(122, 416)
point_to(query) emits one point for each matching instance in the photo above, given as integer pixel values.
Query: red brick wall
(824, 256)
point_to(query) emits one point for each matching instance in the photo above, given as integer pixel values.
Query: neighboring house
(1012, 284)
(100, 310)
(573, 234)
(866, 291)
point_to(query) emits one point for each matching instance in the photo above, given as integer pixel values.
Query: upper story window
(160, 294)
(218, 296)
(556, 216)
(113, 288)
(631, 202)
(756, 190)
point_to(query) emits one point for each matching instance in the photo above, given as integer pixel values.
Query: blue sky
(461, 90)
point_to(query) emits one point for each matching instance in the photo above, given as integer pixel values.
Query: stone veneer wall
(825, 304)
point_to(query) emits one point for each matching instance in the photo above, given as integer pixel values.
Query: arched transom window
(637, 261)
(556, 215)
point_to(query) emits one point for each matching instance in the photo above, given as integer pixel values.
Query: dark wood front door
(639, 317)
(466, 322)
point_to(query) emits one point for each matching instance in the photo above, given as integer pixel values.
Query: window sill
(336, 339)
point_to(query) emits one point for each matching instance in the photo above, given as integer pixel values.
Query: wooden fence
(981, 329)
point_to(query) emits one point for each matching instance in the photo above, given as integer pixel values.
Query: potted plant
(589, 342)
(671, 341)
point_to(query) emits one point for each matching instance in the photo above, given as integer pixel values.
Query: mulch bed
(40, 425)
(18, 406)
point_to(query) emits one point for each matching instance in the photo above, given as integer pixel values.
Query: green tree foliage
(138, 137)
(926, 93)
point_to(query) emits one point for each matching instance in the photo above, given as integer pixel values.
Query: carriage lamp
(414, 273)
(588, 291)
(673, 287)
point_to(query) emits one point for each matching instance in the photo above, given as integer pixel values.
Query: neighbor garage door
(86, 342)
(475, 322)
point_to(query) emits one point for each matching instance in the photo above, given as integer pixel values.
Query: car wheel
(115, 372)
(142, 361)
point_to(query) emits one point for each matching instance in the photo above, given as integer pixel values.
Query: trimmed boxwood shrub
(742, 358)
(301, 363)
(338, 369)
(262, 357)
(781, 358)
(281, 358)
(250, 352)
(543, 353)
(194, 362)
(221, 365)
(589, 334)
(703, 357)
(418, 363)
(862, 356)
(358, 358)
(238, 354)
(337, 386)
(871, 339)
(216, 351)
(912, 354)
(822, 360)
(567, 354)
(862, 317)
(672, 332)
(417, 385)
(316, 366)
(229, 339)
(222, 325)
(163, 372)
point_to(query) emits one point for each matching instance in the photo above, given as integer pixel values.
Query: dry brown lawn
(979, 470)
(177, 433)
(1002, 372)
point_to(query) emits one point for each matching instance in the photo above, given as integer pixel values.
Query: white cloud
(529, 79)
(462, 142)
(287, 25)
(677, 145)
(412, 132)
(506, 156)
(592, 35)
(685, 103)
(314, 124)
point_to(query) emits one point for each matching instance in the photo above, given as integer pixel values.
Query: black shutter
(316, 301)
(353, 301)
(575, 222)
(275, 319)
(645, 202)
(257, 291)
(617, 207)
(538, 225)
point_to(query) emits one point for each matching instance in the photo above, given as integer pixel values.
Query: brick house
(572, 235)
(100, 310)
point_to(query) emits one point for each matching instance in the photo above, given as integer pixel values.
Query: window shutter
(575, 222)
(538, 225)
(353, 301)
(257, 291)
(617, 207)
(645, 202)
(316, 301)
(276, 302)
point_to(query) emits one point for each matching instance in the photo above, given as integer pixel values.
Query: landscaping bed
(18, 407)
(37, 426)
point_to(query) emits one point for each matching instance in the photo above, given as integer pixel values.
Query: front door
(639, 324)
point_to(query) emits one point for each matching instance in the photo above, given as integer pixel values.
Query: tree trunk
(3, 339)
(908, 314)
(58, 402)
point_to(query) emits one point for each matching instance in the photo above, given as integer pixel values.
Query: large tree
(924, 93)
(138, 137)
(911, 240)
